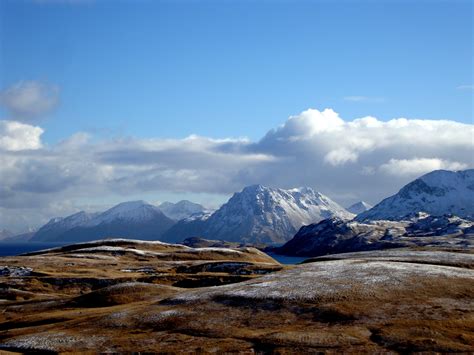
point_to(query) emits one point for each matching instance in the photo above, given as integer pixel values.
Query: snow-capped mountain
(58, 225)
(261, 214)
(180, 210)
(132, 211)
(135, 219)
(334, 235)
(359, 207)
(437, 193)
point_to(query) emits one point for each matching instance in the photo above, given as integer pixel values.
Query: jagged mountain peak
(255, 188)
(262, 214)
(439, 192)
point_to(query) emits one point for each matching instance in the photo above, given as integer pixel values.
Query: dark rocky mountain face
(334, 235)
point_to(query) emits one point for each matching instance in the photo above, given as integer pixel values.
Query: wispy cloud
(29, 100)
(465, 87)
(358, 98)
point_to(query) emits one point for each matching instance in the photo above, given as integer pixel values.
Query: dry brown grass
(357, 307)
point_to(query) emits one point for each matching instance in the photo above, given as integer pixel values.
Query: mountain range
(435, 209)
(256, 214)
(135, 219)
(260, 214)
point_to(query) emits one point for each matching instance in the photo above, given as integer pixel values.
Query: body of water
(11, 249)
(283, 259)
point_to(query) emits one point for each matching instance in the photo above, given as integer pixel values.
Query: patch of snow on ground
(15, 271)
(328, 279)
(51, 341)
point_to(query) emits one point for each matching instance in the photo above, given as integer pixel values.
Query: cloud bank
(365, 158)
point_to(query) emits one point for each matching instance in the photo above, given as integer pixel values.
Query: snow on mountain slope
(261, 214)
(334, 235)
(437, 193)
(134, 219)
(59, 225)
(193, 226)
(359, 207)
(132, 211)
(180, 210)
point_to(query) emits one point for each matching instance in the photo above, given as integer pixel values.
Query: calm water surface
(283, 259)
(10, 249)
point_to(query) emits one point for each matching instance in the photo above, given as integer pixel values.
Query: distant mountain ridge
(439, 192)
(134, 219)
(260, 214)
(359, 207)
(181, 209)
(58, 225)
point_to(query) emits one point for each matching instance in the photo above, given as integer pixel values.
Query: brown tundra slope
(122, 295)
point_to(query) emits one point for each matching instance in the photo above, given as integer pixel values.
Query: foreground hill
(260, 214)
(338, 236)
(135, 219)
(130, 296)
(437, 193)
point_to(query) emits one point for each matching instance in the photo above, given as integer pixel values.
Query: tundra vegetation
(124, 295)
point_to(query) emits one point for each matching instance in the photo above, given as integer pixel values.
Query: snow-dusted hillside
(261, 214)
(437, 193)
(134, 219)
(180, 210)
(359, 207)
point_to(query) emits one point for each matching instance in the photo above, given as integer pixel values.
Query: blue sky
(106, 101)
(236, 68)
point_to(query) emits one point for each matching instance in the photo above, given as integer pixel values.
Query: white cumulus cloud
(16, 136)
(359, 159)
(418, 166)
